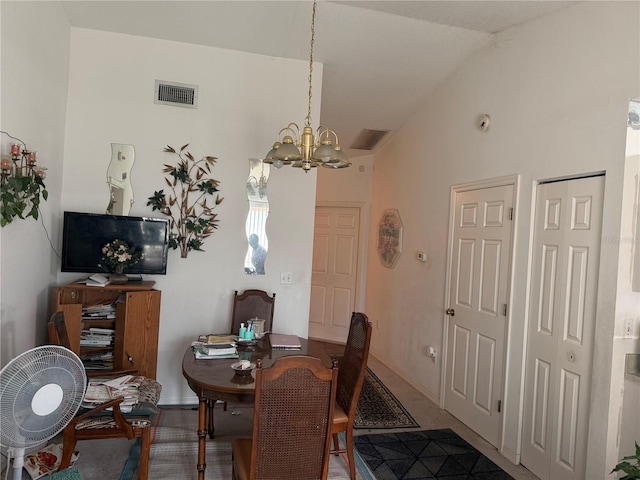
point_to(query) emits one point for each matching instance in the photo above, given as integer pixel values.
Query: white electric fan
(40, 392)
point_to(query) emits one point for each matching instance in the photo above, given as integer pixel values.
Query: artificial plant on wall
(22, 183)
(191, 202)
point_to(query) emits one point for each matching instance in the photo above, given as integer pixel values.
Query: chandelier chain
(305, 148)
(313, 34)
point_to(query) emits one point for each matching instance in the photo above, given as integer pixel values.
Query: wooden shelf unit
(136, 324)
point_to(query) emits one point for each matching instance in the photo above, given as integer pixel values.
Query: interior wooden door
(480, 266)
(334, 272)
(564, 287)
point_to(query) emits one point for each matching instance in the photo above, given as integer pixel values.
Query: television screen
(84, 235)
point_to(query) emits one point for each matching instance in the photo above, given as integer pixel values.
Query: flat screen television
(84, 235)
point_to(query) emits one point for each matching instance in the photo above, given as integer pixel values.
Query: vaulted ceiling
(381, 58)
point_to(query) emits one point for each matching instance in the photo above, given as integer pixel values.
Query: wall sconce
(22, 183)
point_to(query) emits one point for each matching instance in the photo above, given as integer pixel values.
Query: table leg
(202, 437)
(210, 405)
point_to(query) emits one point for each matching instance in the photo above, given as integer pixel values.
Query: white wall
(33, 99)
(625, 401)
(557, 90)
(244, 100)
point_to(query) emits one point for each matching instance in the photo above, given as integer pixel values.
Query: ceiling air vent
(176, 94)
(368, 139)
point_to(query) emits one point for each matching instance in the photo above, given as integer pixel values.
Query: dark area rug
(379, 408)
(439, 454)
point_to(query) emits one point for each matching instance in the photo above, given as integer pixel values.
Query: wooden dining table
(214, 379)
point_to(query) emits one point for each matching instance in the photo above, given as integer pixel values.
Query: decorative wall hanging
(192, 217)
(22, 182)
(390, 238)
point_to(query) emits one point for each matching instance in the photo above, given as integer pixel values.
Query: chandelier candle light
(307, 151)
(22, 183)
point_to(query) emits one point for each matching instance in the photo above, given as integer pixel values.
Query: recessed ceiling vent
(176, 94)
(368, 139)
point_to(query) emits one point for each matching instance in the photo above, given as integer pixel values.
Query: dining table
(213, 379)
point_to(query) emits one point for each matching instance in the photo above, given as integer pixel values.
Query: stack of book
(97, 360)
(97, 337)
(105, 310)
(214, 350)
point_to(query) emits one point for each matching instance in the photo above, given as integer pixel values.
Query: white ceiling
(381, 58)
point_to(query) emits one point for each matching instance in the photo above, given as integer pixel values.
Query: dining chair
(251, 304)
(353, 367)
(247, 305)
(293, 408)
(107, 419)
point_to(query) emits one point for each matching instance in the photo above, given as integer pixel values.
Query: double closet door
(564, 286)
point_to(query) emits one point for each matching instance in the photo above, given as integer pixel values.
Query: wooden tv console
(136, 322)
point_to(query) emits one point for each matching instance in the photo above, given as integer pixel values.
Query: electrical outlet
(422, 256)
(286, 278)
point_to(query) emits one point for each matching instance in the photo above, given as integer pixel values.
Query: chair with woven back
(252, 304)
(291, 436)
(353, 367)
(99, 422)
(247, 305)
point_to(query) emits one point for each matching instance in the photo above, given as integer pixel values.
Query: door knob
(450, 311)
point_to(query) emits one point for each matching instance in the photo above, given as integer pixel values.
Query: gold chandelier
(307, 151)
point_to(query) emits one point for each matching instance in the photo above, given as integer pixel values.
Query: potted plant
(631, 469)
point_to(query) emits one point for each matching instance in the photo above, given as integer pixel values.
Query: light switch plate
(286, 278)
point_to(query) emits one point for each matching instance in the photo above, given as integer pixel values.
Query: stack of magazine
(100, 391)
(97, 360)
(97, 337)
(99, 311)
(214, 347)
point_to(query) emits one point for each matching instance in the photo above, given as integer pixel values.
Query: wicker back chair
(353, 367)
(291, 422)
(100, 422)
(250, 304)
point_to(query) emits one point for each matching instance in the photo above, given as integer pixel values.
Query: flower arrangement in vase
(116, 255)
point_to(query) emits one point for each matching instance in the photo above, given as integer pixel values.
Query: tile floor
(430, 416)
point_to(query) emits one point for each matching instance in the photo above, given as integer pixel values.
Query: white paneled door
(480, 266)
(564, 286)
(334, 272)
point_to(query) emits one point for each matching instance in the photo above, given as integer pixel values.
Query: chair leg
(145, 450)
(68, 446)
(336, 445)
(350, 455)
(211, 426)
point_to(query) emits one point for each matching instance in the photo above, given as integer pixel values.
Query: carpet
(379, 408)
(426, 454)
(174, 452)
